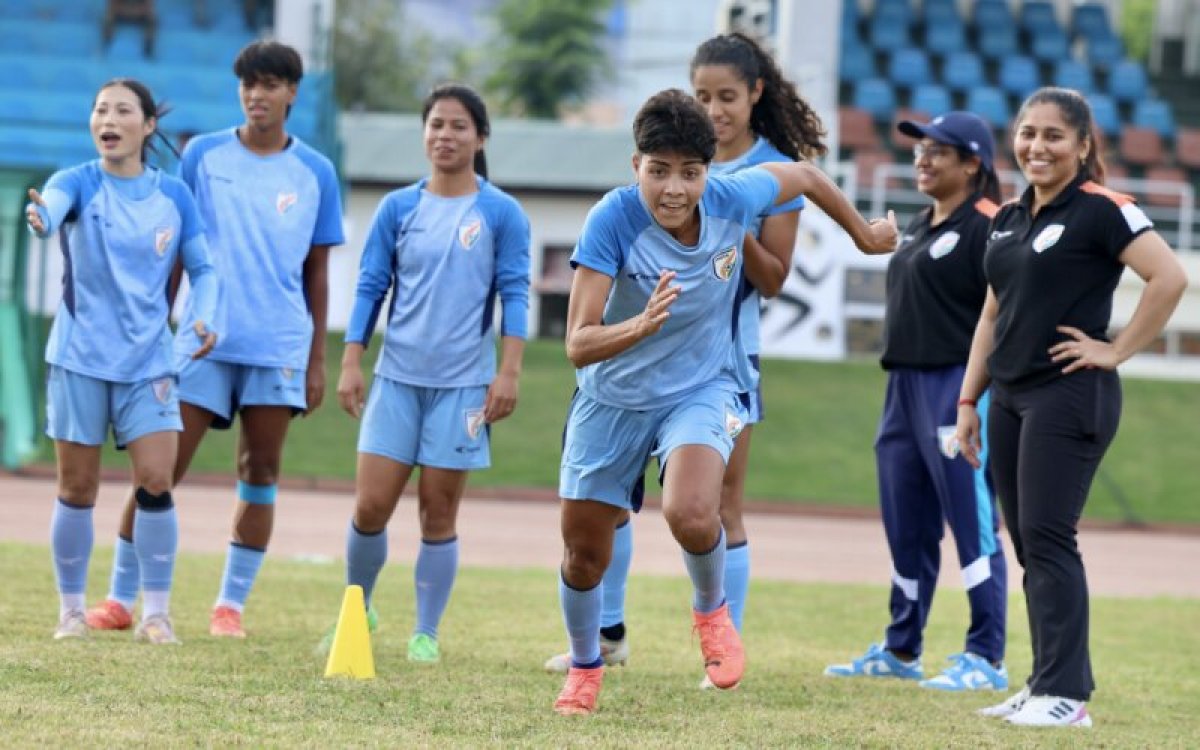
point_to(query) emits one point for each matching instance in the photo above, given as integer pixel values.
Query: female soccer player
(123, 224)
(445, 246)
(1053, 261)
(935, 290)
(652, 329)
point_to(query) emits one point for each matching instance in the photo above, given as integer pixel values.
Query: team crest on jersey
(468, 234)
(733, 424)
(162, 389)
(162, 239)
(284, 202)
(287, 373)
(473, 419)
(1047, 237)
(725, 262)
(943, 245)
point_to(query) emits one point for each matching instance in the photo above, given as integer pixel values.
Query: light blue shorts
(752, 401)
(442, 428)
(80, 409)
(225, 388)
(606, 448)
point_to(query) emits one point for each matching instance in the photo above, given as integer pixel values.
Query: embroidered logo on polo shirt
(473, 419)
(284, 202)
(1047, 237)
(468, 234)
(943, 245)
(725, 262)
(162, 239)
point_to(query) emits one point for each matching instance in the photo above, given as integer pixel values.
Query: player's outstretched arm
(802, 178)
(588, 339)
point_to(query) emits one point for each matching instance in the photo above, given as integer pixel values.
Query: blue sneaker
(969, 672)
(877, 662)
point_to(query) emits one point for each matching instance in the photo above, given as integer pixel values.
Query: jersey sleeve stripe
(986, 207)
(1121, 199)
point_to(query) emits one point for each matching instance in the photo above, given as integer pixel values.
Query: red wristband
(966, 402)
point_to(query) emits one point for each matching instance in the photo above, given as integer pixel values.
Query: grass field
(489, 690)
(815, 446)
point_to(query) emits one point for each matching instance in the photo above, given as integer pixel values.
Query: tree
(380, 65)
(548, 53)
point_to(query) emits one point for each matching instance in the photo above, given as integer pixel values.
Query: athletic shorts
(225, 388)
(442, 428)
(753, 399)
(606, 448)
(80, 409)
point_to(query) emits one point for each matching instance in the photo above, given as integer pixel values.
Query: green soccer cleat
(423, 648)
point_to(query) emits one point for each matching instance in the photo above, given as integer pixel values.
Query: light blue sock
(365, 557)
(126, 576)
(437, 565)
(581, 614)
(71, 538)
(616, 577)
(707, 571)
(737, 580)
(156, 539)
(241, 568)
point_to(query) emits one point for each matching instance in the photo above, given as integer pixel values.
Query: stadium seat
(856, 129)
(945, 37)
(1141, 147)
(1127, 82)
(1090, 21)
(1019, 76)
(895, 12)
(16, 73)
(1050, 46)
(931, 98)
(1104, 52)
(991, 104)
(1172, 176)
(992, 14)
(856, 62)
(937, 12)
(909, 67)
(900, 140)
(1072, 74)
(963, 71)
(1104, 112)
(1187, 147)
(998, 42)
(1037, 16)
(1154, 114)
(887, 36)
(877, 97)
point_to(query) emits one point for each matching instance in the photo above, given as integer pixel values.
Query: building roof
(521, 154)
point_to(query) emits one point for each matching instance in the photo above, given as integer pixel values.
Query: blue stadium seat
(945, 37)
(991, 104)
(909, 67)
(998, 42)
(17, 72)
(855, 61)
(876, 96)
(888, 36)
(1072, 74)
(1105, 51)
(897, 12)
(1127, 81)
(1090, 21)
(64, 39)
(1038, 16)
(1019, 76)
(934, 12)
(1154, 114)
(963, 71)
(1050, 45)
(992, 14)
(931, 99)
(1104, 112)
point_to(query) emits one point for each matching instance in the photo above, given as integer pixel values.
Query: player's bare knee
(584, 565)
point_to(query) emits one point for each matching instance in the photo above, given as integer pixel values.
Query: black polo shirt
(936, 287)
(1060, 267)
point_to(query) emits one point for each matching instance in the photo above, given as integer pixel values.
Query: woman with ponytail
(445, 246)
(123, 225)
(1053, 260)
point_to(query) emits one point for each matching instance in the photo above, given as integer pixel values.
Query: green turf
(815, 445)
(268, 691)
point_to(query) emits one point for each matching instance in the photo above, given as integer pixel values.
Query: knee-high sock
(437, 565)
(156, 540)
(71, 538)
(616, 577)
(126, 576)
(581, 614)
(365, 557)
(241, 568)
(737, 580)
(707, 572)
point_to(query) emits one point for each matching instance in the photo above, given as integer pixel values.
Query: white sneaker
(1051, 711)
(614, 653)
(73, 624)
(156, 630)
(1009, 707)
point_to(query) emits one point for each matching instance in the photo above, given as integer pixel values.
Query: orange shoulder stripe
(1121, 199)
(987, 208)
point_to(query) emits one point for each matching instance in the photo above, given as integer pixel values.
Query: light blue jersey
(120, 238)
(761, 152)
(263, 213)
(699, 344)
(445, 260)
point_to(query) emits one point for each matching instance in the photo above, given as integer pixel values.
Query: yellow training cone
(351, 652)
